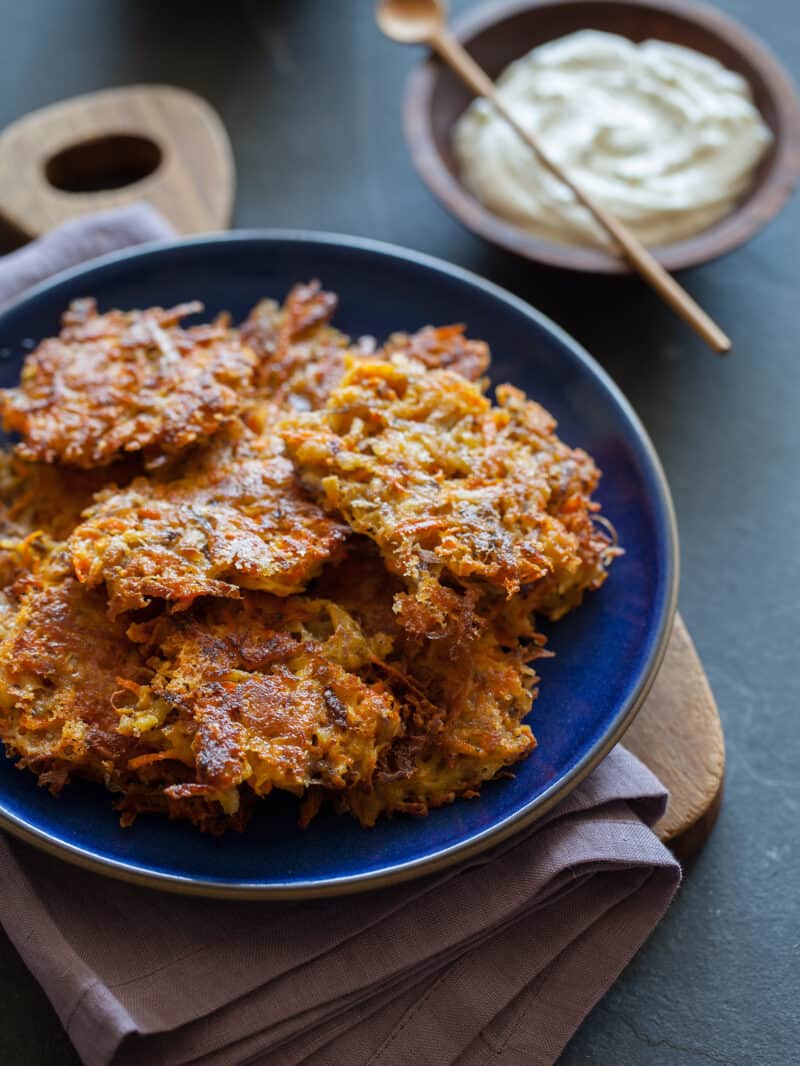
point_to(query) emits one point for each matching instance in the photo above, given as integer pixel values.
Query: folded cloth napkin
(78, 240)
(497, 960)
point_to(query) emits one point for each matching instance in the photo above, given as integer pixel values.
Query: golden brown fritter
(270, 330)
(463, 727)
(16, 535)
(126, 381)
(59, 666)
(234, 516)
(269, 701)
(302, 358)
(51, 497)
(40, 505)
(440, 348)
(177, 718)
(462, 708)
(300, 355)
(454, 489)
(60, 700)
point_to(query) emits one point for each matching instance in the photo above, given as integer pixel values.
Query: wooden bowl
(499, 32)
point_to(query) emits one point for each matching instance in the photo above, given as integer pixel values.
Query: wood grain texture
(500, 31)
(192, 185)
(678, 734)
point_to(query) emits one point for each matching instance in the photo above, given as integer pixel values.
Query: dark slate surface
(311, 96)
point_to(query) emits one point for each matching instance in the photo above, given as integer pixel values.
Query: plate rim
(532, 811)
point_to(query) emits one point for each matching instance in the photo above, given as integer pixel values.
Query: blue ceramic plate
(606, 653)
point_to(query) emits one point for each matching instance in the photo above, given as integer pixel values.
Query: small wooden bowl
(497, 33)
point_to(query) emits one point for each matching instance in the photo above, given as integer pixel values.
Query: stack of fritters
(238, 560)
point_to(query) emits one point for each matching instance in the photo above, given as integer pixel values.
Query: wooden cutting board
(678, 734)
(169, 147)
(107, 149)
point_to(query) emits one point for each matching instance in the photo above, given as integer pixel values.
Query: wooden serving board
(678, 734)
(169, 147)
(106, 149)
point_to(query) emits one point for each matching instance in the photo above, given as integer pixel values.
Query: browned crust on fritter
(60, 665)
(40, 505)
(452, 488)
(302, 358)
(270, 701)
(126, 381)
(235, 516)
(204, 813)
(462, 707)
(57, 716)
(52, 498)
(440, 348)
(475, 734)
(176, 714)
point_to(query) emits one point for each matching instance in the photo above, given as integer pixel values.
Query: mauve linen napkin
(497, 960)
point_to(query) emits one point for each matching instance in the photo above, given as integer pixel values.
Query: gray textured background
(311, 97)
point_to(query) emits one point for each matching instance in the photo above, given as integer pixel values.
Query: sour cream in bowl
(610, 148)
(665, 137)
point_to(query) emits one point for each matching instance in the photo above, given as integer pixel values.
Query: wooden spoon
(424, 22)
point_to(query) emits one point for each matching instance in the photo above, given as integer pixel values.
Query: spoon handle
(459, 60)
